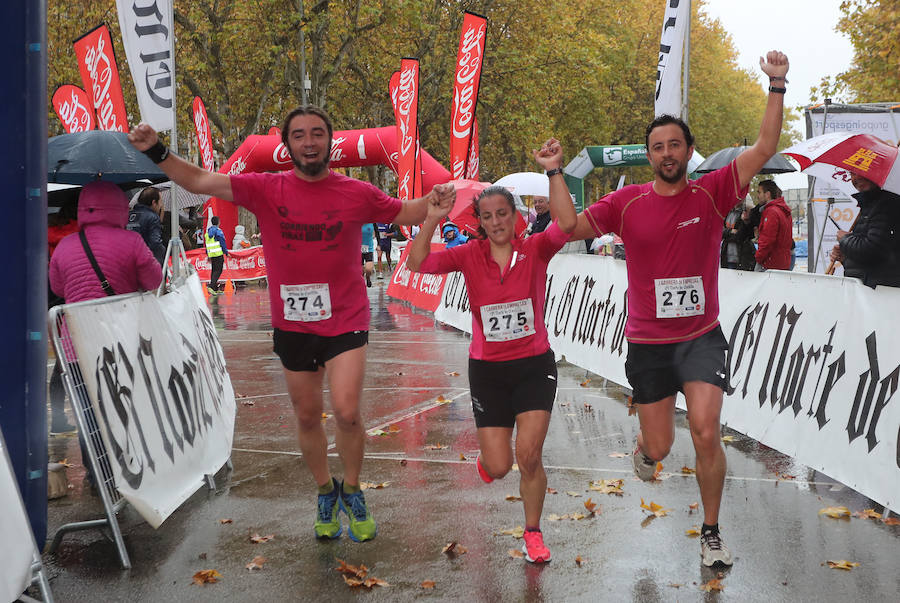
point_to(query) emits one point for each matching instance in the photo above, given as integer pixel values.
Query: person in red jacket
(774, 251)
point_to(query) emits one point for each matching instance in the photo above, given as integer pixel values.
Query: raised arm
(183, 173)
(562, 210)
(415, 210)
(775, 65)
(420, 247)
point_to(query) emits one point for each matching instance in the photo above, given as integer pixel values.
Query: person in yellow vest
(216, 250)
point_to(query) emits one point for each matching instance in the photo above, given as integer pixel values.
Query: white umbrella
(526, 183)
(185, 198)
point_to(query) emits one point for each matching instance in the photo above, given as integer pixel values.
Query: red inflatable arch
(349, 148)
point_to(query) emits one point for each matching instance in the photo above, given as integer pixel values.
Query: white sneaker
(644, 466)
(713, 551)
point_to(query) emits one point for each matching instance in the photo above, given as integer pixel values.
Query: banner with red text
(204, 136)
(240, 265)
(465, 91)
(148, 48)
(406, 112)
(421, 290)
(472, 165)
(100, 76)
(74, 108)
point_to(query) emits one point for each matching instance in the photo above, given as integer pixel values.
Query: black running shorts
(657, 371)
(501, 390)
(307, 352)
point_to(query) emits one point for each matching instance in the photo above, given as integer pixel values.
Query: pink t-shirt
(510, 302)
(672, 253)
(311, 233)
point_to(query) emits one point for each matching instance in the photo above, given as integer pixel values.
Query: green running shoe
(328, 520)
(362, 525)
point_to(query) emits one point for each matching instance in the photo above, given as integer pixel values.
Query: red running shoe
(534, 548)
(481, 472)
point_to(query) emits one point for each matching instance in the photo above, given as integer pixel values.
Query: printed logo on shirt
(310, 232)
(688, 222)
(282, 211)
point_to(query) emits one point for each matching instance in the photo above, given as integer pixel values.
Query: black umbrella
(777, 164)
(83, 157)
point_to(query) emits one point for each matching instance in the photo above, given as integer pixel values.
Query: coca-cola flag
(148, 47)
(472, 165)
(406, 112)
(73, 107)
(100, 76)
(465, 90)
(204, 136)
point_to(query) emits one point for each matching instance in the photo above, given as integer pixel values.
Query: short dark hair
(148, 196)
(488, 192)
(306, 110)
(215, 220)
(664, 120)
(770, 187)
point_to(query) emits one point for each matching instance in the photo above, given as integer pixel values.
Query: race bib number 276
(679, 297)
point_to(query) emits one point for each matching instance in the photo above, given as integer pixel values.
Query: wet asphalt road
(433, 496)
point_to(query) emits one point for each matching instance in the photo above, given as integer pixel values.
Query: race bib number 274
(306, 303)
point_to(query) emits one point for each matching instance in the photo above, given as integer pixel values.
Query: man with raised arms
(672, 229)
(311, 219)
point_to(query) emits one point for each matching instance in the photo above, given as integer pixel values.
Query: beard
(678, 176)
(310, 169)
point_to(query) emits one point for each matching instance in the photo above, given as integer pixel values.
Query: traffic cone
(229, 287)
(205, 292)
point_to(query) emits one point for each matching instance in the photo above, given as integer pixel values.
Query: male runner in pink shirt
(672, 229)
(311, 220)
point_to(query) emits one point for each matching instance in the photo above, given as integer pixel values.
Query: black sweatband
(158, 152)
(777, 90)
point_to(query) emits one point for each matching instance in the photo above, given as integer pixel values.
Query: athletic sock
(710, 529)
(327, 487)
(531, 529)
(348, 489)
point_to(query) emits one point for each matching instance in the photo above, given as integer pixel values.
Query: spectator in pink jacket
(122, 255)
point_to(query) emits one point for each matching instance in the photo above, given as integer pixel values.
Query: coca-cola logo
(203, 137)
(75, 115)
(280, 155)
(100, 68)
(468, 67)
(337, 152)
(238, 166)
(406, 95)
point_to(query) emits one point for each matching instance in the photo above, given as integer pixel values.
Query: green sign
(618, 155)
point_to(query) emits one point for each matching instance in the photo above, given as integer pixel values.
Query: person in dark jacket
(144, 220)
(774, 248)
(737, 236)
(871, 250)
(542, 219)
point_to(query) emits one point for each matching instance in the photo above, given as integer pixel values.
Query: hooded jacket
(239, 241)
(872, 249)
(774, 251)
(144, 221)
(459, 239)
(122, 255)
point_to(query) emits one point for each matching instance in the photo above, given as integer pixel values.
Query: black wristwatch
(554, 172)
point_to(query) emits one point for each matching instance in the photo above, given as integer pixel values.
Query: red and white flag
(74, 108)
(100, 76)
(204, 136)
(472, 165)
(465, 91)
(406, 109)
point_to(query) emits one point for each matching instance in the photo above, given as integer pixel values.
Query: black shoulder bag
(90, 255)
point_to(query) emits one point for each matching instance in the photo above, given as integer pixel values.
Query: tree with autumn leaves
(585, 74)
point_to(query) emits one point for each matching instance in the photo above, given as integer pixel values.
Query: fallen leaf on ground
(516, 532)
(552, 491)
(360, 571)
(654, 508)
(590, 505)
(693, 532)
(563, 403)
(578, 560)
(572, 493)
(454, 548)
(209, 576)
(399, 374)
(585, 383)
(513, 498)
(728, 439)
(257, 539)
(393, 428)
(515, 467)
(588, 407)
(237, 395)
(688, 470)
(659, 468)
(786, 477)
(325, 416)
(515, 553)
(256, 563)
(452, 374)
(372, 485)
(403, 462)
(868, 514)
(435, 446)
(462, 457)
(632, 409)
(713, 585)
(248, 403)
(842, 564)
(607, 486)
(618, 455)
(65, 463)
(693, 507)
(835, 512)
(675, 585)
(428, 584)
(352, 581)
(442, 400)
(376, 432)
(225, 521)
(891, 521)
(370, 582)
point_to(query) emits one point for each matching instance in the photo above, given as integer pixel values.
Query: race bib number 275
(306, 303)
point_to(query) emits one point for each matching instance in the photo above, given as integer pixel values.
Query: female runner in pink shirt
(512, 370)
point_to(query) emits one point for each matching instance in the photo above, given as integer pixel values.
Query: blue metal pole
(23, 303)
